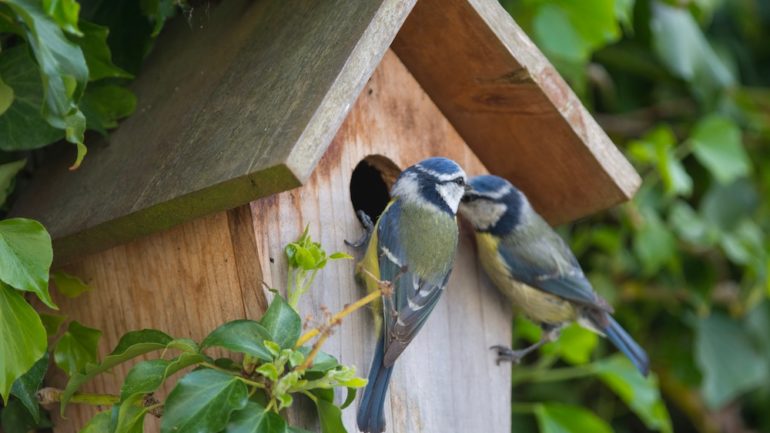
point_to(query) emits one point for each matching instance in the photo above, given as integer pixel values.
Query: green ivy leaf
(63, 70)
(25, 388)
(159, 11)
(330, 416)
(8, 173)
(351, 397)
(77, 348)
(282, 323)
(65, 13)
(322, 362)
(255, 419)
(203, 401)
(105, 104)
(686, 52)
(639, 393)
(564, 418)
(22, 126)
(16, 419)
(100, 423)
(654, 244)
(147, 376)
(6, 96)
(575, 345)
(25, 257)
(128, 416)
(131, 345)
(725, 206)
(729, 362)
(97, 53)
(243, 336)
(20, 327)
(52, 323)
(717, 143)
(69, 285)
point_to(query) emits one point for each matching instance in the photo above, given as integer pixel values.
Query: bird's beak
(468, 188)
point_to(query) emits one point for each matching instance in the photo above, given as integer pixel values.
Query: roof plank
(512, 107)
(237, 103)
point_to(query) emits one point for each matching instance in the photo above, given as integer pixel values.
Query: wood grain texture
(185, 281)
(237, 102)
(512, 108)
(446, 380)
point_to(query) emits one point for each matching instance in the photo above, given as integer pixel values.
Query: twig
(53, 395)
(337, 318)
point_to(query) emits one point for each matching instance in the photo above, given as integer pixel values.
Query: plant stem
(53, 395)
(339, 316)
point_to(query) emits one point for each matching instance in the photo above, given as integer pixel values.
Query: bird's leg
(368, 229)
(550, 333)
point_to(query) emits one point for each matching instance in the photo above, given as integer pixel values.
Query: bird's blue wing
(541, 259)
(413, 298)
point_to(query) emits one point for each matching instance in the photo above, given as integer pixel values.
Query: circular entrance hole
(370, 184)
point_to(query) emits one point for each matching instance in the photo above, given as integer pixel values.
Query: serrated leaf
(282, 323)
(69, 285)
(729, 362)
(147, 376)
(131, 345)
(20, 327)
(97, 52)
(77, 348)
(25, 257)
(203, 401)
(255, 419)
(63, 69)
(243, 336)
(25, 388)
(65, 13)
(8, 173)
(105, 104)
(100, 423)
(22, 125)
(330, 416)
(639, 393)
(564, 418)
(717, 144)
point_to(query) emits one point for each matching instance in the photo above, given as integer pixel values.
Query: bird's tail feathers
(371, 416)
(620, 338)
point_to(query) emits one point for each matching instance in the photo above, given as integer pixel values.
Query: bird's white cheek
(481, 214)
(451, 193)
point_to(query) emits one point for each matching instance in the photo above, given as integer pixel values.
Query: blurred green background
(682, 88)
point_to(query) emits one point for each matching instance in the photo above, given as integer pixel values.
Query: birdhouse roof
(241, 101)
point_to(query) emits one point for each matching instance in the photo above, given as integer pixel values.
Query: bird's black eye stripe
(469, 197)
(458, 180)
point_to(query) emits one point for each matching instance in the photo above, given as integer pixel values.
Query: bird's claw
(507, 354)
(368, 229)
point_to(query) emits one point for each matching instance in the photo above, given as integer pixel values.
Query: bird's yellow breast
(533, 303)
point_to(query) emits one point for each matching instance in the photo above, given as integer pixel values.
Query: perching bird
(535, 268)
(412, 247)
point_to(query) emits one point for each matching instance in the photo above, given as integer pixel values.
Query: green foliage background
(682, 88)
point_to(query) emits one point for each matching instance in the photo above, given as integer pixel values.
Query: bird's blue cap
(488, 183)
(440, 165)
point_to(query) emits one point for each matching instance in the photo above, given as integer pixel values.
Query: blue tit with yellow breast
(533, 266)
(412, 248)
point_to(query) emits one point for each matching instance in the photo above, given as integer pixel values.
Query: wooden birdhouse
(258, 118)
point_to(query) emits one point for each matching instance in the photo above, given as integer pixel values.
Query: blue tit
(412, 248)
(535, 268)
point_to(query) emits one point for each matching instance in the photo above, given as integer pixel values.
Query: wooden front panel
(447, 380)
(196, 276)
